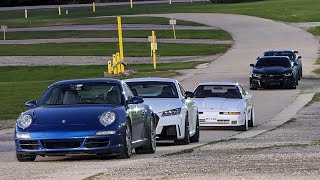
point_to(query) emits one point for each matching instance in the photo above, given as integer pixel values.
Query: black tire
(126, 150)
(243, 127)
(25, 158)
(186, 139)
(251, 86)
(196, 136)
(250, 122)
(150, 145)
(301, 73)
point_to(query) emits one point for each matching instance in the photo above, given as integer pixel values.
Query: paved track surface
(252, 36)
(102, 27)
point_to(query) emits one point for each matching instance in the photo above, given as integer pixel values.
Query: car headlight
(256, 75)
(24, 121)
(107, 118)
(230, 113)
(288, 74)
(171, 112)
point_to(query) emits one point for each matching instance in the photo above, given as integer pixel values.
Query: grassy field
(315, 30)
(107, 49)
(19, 84)
(281, 10)
(42, 22)
(181, 34)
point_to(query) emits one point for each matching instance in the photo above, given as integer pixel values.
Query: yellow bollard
(26, 13)
(114, 61)
(131, 5)
(59, 11)
(118, 62)
(170, 1)
(173, 29)
(109, 67)
(154, 51)
(93, 7)
(120, 37)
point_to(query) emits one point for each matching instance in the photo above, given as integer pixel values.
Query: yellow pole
(170, 1)
(131, 3)
(26, 13)
(59, 11)
(109, 67)
(94, 7)
(154, 51)
(120, 38)
(114, 61)
(174, 31)
(118, 62)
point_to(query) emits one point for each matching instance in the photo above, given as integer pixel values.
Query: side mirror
(251, 65)
(296, 52)
(299, 57)
(135, 100)
(31, 104)
(248, 96)
(189, 94)
(258, 58)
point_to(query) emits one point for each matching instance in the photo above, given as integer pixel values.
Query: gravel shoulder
(288, 152)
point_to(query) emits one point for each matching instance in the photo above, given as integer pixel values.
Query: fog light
(233, 122)
(23, 135)
(103, 133)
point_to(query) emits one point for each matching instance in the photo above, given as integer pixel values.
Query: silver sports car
(224, 104)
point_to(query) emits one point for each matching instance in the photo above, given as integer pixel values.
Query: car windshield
(154, 89)
(83, 93)
(218, 91)
(291, 55)
(271, 62)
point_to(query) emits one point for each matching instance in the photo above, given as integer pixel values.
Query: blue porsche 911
(91, 116)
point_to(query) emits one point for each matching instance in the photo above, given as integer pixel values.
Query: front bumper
(214, 119)
(272, 81)
(170, 127)
(60, 146)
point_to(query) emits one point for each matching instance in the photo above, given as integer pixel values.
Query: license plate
(211, 119)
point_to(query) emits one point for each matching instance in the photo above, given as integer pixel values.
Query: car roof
(150, 79)
(220, 83)
(292, 51)
(274, 57)
(90, 80)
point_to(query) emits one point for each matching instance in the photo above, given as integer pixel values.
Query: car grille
(272, 76)
(29, 144)
(96, 142)
(60, 144)
(219, 121)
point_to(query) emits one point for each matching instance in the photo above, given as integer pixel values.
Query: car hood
(163, 104)
(71, 115)
(272, 70)
(219, 104)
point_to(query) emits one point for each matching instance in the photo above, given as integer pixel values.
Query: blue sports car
(92, 116)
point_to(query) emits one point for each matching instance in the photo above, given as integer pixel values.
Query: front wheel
(26, 158)
(250, 122)
(126, 150)
(150, 145)
(186, 139)
(196, 136)
(244, 127)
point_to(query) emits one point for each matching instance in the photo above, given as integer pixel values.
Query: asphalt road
(252, 36)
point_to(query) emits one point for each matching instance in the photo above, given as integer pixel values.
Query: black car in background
(275, 71)
(293, 56)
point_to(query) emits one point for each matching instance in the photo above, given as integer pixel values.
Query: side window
(127, 91)
(243, 92)
(183, 92)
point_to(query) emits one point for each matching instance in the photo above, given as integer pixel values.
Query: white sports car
(177, 112)
(224, 104)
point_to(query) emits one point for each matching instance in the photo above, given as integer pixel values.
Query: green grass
(107, 49)
(315, 30)
(19, 84)
(43, 21)
(316, 98)
(281, 10)
(181, 34)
